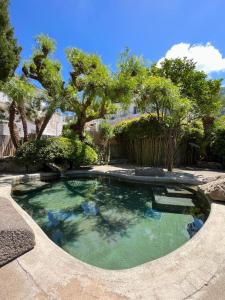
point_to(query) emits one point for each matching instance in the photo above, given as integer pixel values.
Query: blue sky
(150, 28)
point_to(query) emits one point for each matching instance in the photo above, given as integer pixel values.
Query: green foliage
(106, 131)
(83, 154)
(193, 84)
(71, 134)
(132, 70)
(217, 140)
(45, 44)
(68, 132)
(105, 134)
(193, 132)
(218, 145)
(43, 68)
(19, 90)
(219, 123)
(28, 153)
(47, 71)
(56, 150)
(9, 51)
(89, 92)
(144, 126)
(160, 95)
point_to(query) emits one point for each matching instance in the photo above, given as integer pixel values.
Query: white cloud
(207, 57)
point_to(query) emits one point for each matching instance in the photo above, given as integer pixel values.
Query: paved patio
(195, 271)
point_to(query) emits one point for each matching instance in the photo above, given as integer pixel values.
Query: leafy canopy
(19, 90)
(89, 89)
(193, 84)
(9, 50)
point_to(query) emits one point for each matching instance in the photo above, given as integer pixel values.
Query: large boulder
(215, 190)
(149, 171)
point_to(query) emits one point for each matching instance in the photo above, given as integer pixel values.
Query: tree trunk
(12, 126)
(78, 128)
(108, 154)
(38, 126)
(44, 124)
(22, 112)
(207, 124)
(171, 149)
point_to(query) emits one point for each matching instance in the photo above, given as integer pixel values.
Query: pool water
(112, 224)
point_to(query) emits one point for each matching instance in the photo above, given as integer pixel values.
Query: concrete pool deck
(194, 271)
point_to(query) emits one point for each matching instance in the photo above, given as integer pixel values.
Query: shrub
(56, 150)
(219, 123)
(218, 146)
(143, 126)
(83, 154)
(70, 134)
(28, 152)
(105, 135)
(193, 133)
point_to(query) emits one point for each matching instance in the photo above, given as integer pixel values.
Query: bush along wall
(59, 150)
(144, 140)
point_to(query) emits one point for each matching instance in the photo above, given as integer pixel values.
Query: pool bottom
(111, 224)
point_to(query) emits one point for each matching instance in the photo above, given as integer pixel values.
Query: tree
(36, 109)
(132, 70)
(193, 84)
(160, 95)
(106, 133)
(9, 51)
(20, 91)
(157, 94)
(89, 92)
(46, 71)
(9, 60)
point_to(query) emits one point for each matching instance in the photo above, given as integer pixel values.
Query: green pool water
(112, 224)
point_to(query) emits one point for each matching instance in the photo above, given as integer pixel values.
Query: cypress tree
(9, 50)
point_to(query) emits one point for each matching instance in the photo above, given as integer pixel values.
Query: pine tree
(9, 50)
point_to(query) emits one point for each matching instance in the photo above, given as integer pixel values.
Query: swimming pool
(112, 224)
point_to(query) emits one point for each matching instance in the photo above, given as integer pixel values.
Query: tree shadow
(63, 232)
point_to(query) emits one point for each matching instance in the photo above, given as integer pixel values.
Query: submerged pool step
(176, 192)
(177, 201)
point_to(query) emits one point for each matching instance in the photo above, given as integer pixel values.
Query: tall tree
(193, 84)
(160, 95)
(9, 50)
(152, 92)
(20, 91)
(9, 60)
(89, 92)
(46, 71)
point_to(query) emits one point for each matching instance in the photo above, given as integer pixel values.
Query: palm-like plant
(19, 91)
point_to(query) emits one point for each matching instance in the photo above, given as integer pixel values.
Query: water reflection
(99, 219)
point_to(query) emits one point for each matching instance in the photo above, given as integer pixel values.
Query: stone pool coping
(48, 272)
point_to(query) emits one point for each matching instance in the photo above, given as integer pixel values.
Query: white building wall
(3, 98)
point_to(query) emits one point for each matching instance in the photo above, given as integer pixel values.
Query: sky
(155, 29)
